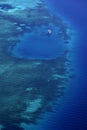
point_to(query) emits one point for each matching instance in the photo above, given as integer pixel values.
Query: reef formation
(28, 88)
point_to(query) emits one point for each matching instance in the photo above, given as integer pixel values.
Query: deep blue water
(71, 114)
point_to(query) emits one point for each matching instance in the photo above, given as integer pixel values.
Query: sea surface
(71, 114)
(70, 111)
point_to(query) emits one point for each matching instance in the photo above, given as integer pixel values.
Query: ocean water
(70, 112)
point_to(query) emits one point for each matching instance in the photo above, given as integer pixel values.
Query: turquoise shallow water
(31, 86)
(40, 45)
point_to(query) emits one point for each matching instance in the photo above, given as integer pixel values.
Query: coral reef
(28, 87)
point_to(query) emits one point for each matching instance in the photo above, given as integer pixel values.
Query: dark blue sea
(71, 111)
(72, 115)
